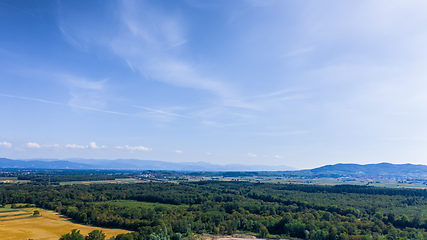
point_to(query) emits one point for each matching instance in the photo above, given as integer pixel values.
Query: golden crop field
(20, 224)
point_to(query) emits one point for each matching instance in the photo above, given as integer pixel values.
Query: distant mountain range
(374, 171)
(379, 170)
(132, 164)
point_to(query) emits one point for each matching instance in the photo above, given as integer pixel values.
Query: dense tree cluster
(157, 211)
(56, 176)
(76, 235)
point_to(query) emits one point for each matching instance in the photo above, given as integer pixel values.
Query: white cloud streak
(5, 144)
(33, 145)
(75, 146)
(178, 151)
(94, 146)
(251, 155)
(133, 148)
(51, 146)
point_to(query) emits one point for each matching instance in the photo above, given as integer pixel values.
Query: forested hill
(386, 170)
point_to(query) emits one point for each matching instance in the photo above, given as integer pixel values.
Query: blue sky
(296, 83)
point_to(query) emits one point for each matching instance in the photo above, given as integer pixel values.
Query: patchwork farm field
(49, 225)
(116, 181)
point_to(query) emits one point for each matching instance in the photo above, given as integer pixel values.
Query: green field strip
(12, 215)
(6, 210)
(20, 218)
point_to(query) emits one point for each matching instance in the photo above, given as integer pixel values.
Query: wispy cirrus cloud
(282, 133)
(63, 104)
(147, 43)
(85, 92)
(162, 112)
(406, 139)
(271, 101)
(151, 41)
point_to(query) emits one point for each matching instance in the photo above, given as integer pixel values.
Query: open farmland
(21, 224)
(219, 207)
(117, 181)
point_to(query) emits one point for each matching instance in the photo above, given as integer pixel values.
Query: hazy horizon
(256, 82)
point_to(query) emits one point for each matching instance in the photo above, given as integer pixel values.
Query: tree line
(155, 211)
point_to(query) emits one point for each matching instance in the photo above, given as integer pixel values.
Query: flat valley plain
(275, 180)
(158, 204)
(19, 223)
(389, 183)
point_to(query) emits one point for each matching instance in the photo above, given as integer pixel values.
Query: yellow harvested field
(49, 226)
(3, 214)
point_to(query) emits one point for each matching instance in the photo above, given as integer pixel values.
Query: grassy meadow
(115, 181)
